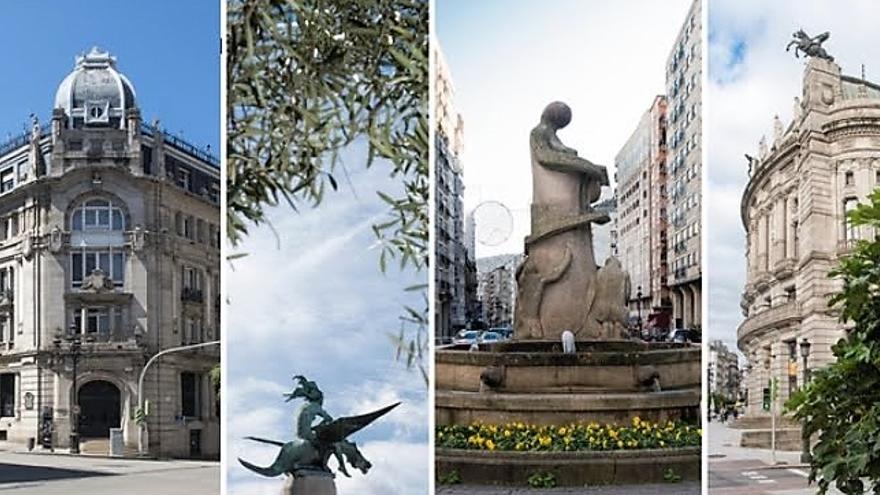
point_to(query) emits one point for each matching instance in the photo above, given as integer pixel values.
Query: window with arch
(97, 214)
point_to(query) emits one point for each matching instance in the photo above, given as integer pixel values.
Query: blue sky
(169, 49)
(751, 79)
(509, 59)
(312, 301)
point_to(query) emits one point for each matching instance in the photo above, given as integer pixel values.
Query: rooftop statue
(313, 445)
(557, 283)
(810, 46)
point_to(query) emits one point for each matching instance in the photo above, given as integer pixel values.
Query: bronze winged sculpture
(310, 451)
(810, 46)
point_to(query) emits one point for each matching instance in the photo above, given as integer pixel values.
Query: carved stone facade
(109, 234)
(793, 209)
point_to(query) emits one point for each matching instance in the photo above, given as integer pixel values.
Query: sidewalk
(724, 444)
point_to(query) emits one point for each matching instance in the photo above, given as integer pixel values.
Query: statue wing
(340, 428)
(822, 37)
(264, 440)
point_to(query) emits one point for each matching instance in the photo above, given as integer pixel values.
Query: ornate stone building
(802, 181)
(109, 253)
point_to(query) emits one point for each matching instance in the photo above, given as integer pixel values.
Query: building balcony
(784, 268)
(761, 281)
(775, 317)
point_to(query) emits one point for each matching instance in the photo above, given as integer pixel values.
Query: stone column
(750, 252)
(309, 485)
(791, 237)
(762, 243)
(781, 227)
(687, 308)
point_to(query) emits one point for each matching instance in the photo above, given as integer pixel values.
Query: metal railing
(22, 139)
(181, 144)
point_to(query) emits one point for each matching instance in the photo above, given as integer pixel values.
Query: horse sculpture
(810, 46)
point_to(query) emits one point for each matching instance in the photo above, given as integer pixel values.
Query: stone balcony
(784, 268)
(779, 316)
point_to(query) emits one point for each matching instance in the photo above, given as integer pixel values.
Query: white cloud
(312, 301)
(607, 60)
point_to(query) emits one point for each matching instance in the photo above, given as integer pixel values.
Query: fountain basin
(571, 468)
(535, 382)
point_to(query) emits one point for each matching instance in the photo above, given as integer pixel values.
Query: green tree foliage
(841, 404)
(307, 79)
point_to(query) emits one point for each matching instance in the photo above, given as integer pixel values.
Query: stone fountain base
(627, 467)
(534, 382)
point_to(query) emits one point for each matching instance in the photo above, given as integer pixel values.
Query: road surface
(59, 474)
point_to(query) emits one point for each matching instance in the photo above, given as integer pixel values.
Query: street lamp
(75, 342)
(806, 458)
(639, 302)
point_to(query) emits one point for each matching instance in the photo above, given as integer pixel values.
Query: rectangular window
(192, 278)
(188, 227)
(849, 229)
(97, 320)
(6, 279)
(7, 180)
(23, 170)
(190, 395)
(7, 395)
(183, 179)
(82, 263)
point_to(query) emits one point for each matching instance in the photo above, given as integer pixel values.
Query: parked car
(504, 332)
(466, 337)
(490, 336)
(685, 335)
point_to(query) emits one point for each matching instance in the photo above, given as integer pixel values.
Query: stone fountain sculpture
(559, 286)
(304, 459)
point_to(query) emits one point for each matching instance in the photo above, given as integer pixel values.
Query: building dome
(95, 94)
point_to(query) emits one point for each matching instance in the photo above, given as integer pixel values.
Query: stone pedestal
(309, 485)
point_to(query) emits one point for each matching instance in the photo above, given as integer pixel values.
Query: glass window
(97, 320)
(97, 214)
(82, 263)
(849, 229)
(7, 180)
(7, 395)
(190, 392)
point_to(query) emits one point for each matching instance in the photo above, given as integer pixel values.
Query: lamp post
(806, 457)
(143, 433)
(639, 302)
(75, 342)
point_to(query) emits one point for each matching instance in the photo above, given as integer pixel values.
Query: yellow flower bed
(574, 437)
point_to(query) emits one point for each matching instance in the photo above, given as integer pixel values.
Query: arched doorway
(100, 409)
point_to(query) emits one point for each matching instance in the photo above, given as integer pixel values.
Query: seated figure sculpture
(557, 282)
